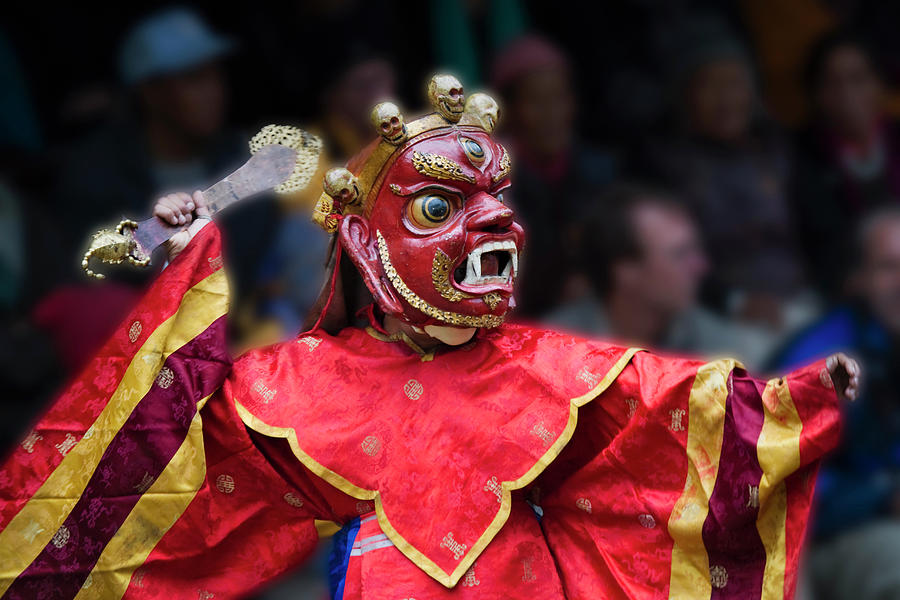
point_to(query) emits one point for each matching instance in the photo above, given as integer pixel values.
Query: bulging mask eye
(430, 210)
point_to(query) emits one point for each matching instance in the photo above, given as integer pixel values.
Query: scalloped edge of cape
(446, 579)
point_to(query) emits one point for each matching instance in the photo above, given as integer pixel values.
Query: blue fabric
(342, 544)
(835, 332)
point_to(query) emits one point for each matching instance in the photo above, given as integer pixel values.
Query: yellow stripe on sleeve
(689, 579)
(778, 451)
(39, 519)
(153, 515)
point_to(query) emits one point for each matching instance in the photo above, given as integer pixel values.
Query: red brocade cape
(164, 471)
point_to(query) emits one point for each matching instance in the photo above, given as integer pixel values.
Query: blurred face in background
(361, 87)
(666, 276)
(849, 93)
(192, 102)
(542, 112)
(719, 101)
(880, 273)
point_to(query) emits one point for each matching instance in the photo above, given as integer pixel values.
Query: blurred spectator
(173, 136)
(290, 279)
(357, 81)
(725, 159)
(848, 159)
(858, 493)
(361, 83)
(292, 271)
(642, 254)
(554, 170)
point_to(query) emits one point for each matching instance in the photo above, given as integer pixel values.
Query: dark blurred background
(699, 177)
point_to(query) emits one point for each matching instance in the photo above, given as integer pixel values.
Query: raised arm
(697, 478)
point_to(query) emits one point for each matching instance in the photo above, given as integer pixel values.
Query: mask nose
(488, 212)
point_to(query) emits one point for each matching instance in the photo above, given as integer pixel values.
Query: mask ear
(359, 241)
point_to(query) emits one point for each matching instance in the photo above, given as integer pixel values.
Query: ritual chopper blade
(283, 158)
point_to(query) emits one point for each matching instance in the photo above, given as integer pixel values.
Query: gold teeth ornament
(485, 109)
(451, 318)
(307, 146)
(445, 94)
(492, 299)
(389, 123)
(440, 276)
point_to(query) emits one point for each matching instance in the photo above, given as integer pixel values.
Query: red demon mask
(423, 213)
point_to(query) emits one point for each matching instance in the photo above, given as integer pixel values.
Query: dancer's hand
(845, 375)
(182, 209)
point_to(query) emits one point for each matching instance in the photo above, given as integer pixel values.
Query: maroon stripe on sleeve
(737, 557)
(27, 466)
(137, 455)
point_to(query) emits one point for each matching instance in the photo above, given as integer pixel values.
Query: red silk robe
(166, 471)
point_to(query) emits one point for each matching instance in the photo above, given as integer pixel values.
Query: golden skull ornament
(446, 96)
(388, 122)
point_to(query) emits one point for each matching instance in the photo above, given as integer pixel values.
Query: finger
(174, 211)
(180, 202)
(170, 200)
(192, 202)
(165, 213)
(170, 204)
(175, 200)
(168, 208)
(831, 362)
(200, 203)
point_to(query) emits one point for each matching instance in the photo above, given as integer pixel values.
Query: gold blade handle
(115, 247)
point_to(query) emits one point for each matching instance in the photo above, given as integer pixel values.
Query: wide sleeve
(140, 480)
(690, 480)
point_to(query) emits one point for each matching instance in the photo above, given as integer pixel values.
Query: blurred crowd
(703, 178)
